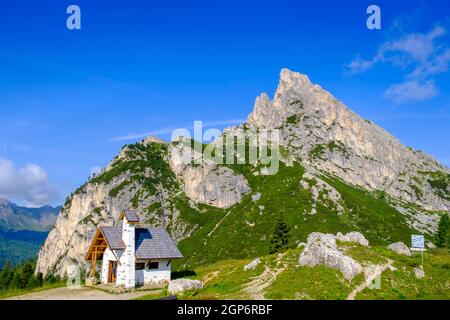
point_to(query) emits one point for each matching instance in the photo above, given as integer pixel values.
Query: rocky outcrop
(183, 285)
(321, 192)
(325, 134)
(322, 249)
(400, 248)
(204, 181)
(213, 185)
(252, 265)
(354, 237)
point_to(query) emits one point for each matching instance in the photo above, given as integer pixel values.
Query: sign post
(418, 244)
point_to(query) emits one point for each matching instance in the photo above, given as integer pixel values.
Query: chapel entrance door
(112, 272)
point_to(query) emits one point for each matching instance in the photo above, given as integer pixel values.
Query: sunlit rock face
(326, 135)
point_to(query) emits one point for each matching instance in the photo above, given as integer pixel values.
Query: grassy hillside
(244, 230)
(280, 277)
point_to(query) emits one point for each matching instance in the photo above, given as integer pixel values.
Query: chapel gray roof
(150, 243)
(113, 236)
(155, 243)
(131, 216)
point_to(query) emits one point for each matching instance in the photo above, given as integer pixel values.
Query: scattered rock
(321, 192)
(183, 285)
(431, 245)
(261, 209)
(400, 248)
(301, 245)
(256, 197)
(420, 273)
(321, 249)
(392, 268)
(91, 281)
(252, 265)
(250, 224)
(355, 237)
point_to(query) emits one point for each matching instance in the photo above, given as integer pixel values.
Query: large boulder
(252, 265)
(322, 249)
(400, 248)
(183, 285)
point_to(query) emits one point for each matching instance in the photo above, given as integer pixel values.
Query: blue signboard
(418, 241)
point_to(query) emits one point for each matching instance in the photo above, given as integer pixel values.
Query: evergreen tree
(40, 279)
(443, 231)
(33, 282)
(448, 239)
(6, 276)
(50, 279)
(280, 237)
(16, 281)
(26, 274)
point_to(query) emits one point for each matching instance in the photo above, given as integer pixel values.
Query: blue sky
(68, 98)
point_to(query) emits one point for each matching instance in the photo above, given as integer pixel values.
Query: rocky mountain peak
(153, 139)
(295, 94)
(328, 136)
(290, 80)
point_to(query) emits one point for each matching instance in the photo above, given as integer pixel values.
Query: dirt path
(210, 276)
(217, 225)
(371, 275)
(79, 294)
(256, 287)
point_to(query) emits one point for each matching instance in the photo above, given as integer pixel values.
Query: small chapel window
(140, 266)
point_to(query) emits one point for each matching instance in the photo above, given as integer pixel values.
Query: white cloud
(420, 55)
(95, 171)
(28, 184)
(359, 65)
(412, 90)
(136, 136)
(416, 47)
(436, 65)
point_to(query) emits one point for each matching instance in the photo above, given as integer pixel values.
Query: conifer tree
(26, 274)
(281, 236)
(443, 231)
(16, 281)
(6, 276)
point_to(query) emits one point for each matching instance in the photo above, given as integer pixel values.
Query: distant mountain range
(15, 218)
(23, 230)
